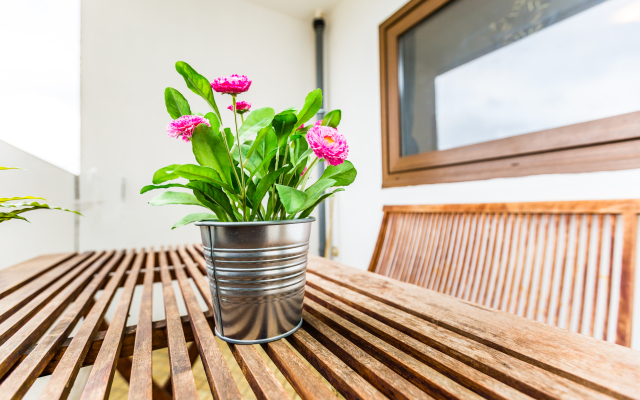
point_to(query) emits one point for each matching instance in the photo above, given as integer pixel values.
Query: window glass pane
(480, 70)
(40, 79)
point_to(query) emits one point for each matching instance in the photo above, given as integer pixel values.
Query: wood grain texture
(101, 375)
(576, 358)
(537, 260)
(448, 366)
(18, 298)
(29, 333)
(17, 384)
(18, 275)
(264, 384)
(299, 375)
(140, 384)
(220, 380)
(183, 383)
(347, 381)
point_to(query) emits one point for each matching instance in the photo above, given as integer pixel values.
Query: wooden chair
(569, 264)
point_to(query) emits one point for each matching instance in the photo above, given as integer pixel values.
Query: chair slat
(13, 278)
(553, 262)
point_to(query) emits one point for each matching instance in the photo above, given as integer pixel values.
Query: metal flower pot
(257, 276)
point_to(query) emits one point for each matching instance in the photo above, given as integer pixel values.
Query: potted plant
(253, 178)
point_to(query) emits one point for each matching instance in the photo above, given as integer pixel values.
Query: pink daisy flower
(183, 127)
(328, 143)
(241, 107)
(232, 84)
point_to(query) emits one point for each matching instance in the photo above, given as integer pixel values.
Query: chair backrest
(569, 264)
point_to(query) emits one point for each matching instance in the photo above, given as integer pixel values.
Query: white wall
(50, 231)
(354, 87)
(128, 53)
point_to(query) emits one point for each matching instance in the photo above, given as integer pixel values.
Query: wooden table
(371, 337)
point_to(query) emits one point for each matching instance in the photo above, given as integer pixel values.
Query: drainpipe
(318, 26)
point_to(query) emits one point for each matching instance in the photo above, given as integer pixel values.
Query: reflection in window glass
(40, 79)
(480, 70)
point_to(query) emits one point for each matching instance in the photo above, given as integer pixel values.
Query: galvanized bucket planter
(257, 277)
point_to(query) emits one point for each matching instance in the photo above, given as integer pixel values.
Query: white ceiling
(303, 9)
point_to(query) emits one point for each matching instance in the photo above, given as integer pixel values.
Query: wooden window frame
(606, 144)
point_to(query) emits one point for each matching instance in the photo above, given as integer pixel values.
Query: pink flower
(302, 174)
(318, 123)
(241, 107)
(184, 126)
(232, 84)
(327, 143)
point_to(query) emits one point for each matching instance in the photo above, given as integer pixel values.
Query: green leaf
(265, 161)
(252, 162)
(213, 195)
(210, 151)
(229, 136)
(167, 198)
(258, 140)
(283, 125)
(213, 120)
(344, 174)
(194, 172)
(256, 121)
(332, 118)
(195, 217)
(292, 199)
(154, 187)
(5, 199)
(314, 191)
(165, 174)
(177, 105)
(263, 187)
(312, 105)
(197, 83)
(322, 198)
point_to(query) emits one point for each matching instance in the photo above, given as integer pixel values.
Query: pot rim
(255, 223)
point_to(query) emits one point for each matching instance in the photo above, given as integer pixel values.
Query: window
(476, 89)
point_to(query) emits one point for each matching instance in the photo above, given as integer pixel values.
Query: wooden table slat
(263, 382)
(10, 325)
(527, 378)
(140, 384)
(15, 277)
(18, 298)
(422, 376)
(561, 353)
(17, 384)
(99, 382)
(379, 375)
(299, 375)
(30, 332)
(220, 380)
(342, 377)
(441, 362)
(184, 385)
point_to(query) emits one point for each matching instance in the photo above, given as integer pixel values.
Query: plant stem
(244, 188)
(305, 177)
